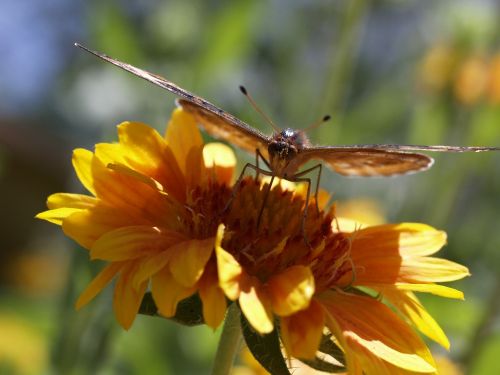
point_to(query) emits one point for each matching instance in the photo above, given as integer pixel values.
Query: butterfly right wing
(366, 160)
(227, 127)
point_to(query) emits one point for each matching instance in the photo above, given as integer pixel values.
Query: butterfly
(286, 150)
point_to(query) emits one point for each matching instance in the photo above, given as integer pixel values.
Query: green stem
(229, 342)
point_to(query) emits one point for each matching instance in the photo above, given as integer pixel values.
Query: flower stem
(229, 342)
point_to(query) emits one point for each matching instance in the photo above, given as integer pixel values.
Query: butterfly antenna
(256, 107)
(317, 123)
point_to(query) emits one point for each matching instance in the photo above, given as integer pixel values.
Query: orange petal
(167, 292)
(132, 242)
(100, 281)
(189, 259)
(151, 265)
(82, 162)
(301, 332)
(127, 299)
(183, 135)
(212, 296)
(230, 271)
(409, 305)
(371, 332)
(221, 159)
(255, 304)
(291, 290)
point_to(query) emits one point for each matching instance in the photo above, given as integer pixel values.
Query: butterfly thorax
(283, 149)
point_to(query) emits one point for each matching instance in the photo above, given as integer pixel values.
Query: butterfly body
(283, 150)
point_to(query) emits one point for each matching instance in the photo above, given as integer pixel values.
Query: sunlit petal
(255, 304)
(291, 290)
(82, 162)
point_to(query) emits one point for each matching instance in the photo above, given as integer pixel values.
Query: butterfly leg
(320, 168)
(306, 208)
(257, 154)
(238, 182)
(266, 194)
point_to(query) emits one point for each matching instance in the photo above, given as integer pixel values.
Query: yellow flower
(160, 208)
(471, 80)
(273, 272)
(152, 216)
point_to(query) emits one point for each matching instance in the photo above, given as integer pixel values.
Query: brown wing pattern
(214, 120)
(379, 160)
(228, 127)
(366, 161)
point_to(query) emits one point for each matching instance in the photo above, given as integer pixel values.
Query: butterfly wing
(214, 120)
(225, 126)
(378, 160)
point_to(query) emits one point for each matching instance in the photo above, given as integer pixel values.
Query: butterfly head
(283, 148)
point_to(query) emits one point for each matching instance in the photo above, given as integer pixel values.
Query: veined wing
(378, 160)
(225, 126)
(216, 121)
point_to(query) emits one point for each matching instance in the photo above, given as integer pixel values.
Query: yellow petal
(408, 304)
(57, 216)
(403, 239)
(183, 135)
(372, 332)
(428, 270)
(132, 242)
(100, 281)
(120, 168)
(438, 290)
(230, 271)
(221, 159)
(167, 292)
(82, 162)
(301, 332)
(86, 226)
(255, 304)
(291, 290)
(417, 270)
(212, 296)
(189, 259)
(109, 153)
(148, 153)
(67, 200)
(127, 299)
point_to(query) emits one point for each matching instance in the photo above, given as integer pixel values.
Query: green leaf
(328, 347)
(265, 348)
(189, 311)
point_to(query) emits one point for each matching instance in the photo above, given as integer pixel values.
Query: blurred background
(387, 71)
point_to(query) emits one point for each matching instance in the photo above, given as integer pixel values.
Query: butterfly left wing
(378, 160)
(214, 120)
(226, 126)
